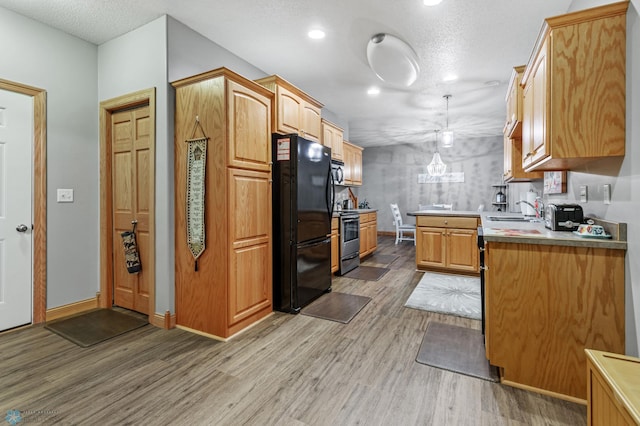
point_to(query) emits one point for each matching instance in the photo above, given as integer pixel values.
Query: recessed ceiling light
(316, 34)
(373, 91)
(450, 77)
(432, 2)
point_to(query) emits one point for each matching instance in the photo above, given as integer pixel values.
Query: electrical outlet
(584, 196)
(65, 195)
(607, 193)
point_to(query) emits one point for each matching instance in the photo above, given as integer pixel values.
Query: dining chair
(404, 232)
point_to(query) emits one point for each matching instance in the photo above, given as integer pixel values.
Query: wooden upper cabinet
(574, 90)
(352, 164)
(294, 111)
(332, 136)
(249, 126)
(513, 171)
(513, 126)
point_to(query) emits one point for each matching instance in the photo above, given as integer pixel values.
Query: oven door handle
(351, 256)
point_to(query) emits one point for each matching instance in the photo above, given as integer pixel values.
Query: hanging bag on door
(131, 255)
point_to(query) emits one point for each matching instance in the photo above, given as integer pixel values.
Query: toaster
(563, 217)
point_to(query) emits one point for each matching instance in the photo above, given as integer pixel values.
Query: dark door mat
(457, 349)
(384, 259)
(339, 307)
(95, 326)
(367, 273)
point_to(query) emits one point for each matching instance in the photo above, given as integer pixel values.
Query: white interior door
(16, 235)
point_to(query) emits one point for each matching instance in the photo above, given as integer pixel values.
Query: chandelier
(447, 134)
(436, 167)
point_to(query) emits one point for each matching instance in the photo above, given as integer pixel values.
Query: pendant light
(447, 134)
(436, 167)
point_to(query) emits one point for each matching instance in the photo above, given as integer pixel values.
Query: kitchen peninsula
(446, 240)
(549, 296)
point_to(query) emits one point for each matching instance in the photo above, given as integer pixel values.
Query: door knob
(22, 228)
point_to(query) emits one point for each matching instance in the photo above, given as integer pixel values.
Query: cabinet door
(289, 106)
(372, 238)
(508, 151)
(250, 257)
(462, 250)
(311, 127)
(430, 247)
(534, 135)
(364, 238)
(249, 121)
(356, 167)
(348, 161)
(335, 251)
(336, 146)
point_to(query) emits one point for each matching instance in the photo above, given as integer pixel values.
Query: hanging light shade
(447, 133)
(436, 167)
(393, 60)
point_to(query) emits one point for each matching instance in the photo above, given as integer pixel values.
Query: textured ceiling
(479, 41)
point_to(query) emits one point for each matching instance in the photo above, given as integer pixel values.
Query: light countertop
(536, 233)
(465, 213)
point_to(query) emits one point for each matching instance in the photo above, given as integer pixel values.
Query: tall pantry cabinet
(231, 288)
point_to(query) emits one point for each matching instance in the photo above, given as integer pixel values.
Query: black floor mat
(457, 349)
(340, 307)
(95, 326)
(367, 273)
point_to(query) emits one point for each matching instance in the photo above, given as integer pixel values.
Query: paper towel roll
(529, 197)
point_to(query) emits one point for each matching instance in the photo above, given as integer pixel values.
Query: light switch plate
(65, 195)
(584, 189)
(607, 193)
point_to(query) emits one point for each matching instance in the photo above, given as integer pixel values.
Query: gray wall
(66, 68)
(622, 175)
(390, 175)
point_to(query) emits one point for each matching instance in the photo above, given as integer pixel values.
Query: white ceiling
(479, 41)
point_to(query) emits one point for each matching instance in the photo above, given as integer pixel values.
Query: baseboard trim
(166, 321)
(390, 233)
(544, 392)
(71, 309)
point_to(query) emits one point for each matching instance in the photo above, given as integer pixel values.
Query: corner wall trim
(166, 321)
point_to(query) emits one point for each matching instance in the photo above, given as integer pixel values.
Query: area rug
(95, 326)
(447, 294)
(334, 306)
(457, 349)
(367, 273)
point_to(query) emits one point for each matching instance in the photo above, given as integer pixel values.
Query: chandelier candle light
(436, 167)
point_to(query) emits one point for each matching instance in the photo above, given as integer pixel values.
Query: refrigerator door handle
(314, 243)
(331, 194)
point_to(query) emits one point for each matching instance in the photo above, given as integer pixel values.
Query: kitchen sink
(509, 218)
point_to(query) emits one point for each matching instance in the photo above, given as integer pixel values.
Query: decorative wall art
(196, 167)
(555, 182)
(447, 177)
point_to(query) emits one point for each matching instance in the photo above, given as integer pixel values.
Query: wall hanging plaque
(196, 168)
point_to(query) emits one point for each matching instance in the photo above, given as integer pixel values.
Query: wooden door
(131, 185)
(430, 247)
(373, 233)
(508, 151)
(250, 262)
(288, 118)
(16, 198)
(311, 127)
(462, 250)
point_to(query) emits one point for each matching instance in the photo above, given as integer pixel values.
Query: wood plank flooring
(287, 370)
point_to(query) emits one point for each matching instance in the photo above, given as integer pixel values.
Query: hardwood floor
(288, 369)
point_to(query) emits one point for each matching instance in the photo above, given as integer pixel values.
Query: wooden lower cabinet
(544, 305)
(335, 245)
(229, 287)
(447, 243)
(368, 233)
(613, 389)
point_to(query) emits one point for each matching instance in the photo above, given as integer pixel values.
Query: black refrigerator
(303, 198)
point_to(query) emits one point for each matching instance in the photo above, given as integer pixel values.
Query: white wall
(66, 67)
(136, 61)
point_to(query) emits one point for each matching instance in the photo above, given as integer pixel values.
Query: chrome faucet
(539, 207)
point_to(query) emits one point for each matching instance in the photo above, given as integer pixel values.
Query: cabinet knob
(446, 222)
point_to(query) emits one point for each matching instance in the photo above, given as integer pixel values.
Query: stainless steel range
(349, 241)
